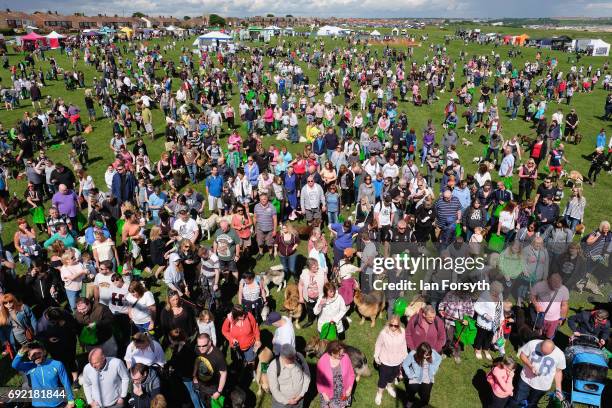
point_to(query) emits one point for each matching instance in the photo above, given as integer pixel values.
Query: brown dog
(292, 304)
(369, 305)
(265, 357)
(415, 306)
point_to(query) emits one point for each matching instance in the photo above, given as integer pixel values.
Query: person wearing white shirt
(543, 362)
(145, 350)
(390, 169)
(105, 380)
(371, 167)
(186, 226)
(507, 164)
(284, 333)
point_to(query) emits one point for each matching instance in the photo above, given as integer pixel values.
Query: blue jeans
(192, 170)
(332, 217)
(572, 222)
(524, 393)
(447, 233)
(195, 398)
(72, 296)
(293, 134)
(424, 152)
(288, 263)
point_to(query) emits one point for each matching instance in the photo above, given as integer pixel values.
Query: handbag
(217, 403)
(538, 321)
(329, 331)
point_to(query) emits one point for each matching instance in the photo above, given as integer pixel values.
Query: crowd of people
(156, 274)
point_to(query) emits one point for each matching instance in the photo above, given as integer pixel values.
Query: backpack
(278, 366)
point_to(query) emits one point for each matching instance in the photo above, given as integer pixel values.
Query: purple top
(66, 203)
(428, 138)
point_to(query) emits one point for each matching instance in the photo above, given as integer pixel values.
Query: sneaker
(457, 359)
(478, 355)
(391, 391)
(488, 355)
(378, 399)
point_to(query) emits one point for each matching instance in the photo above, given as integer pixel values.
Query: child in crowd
(206, 324)
(500, 378)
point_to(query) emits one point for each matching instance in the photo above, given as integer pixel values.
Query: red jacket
(419, 330)
(246, 335)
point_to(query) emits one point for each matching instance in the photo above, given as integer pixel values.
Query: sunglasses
(396, 326)
(10, 302)
(203, 345)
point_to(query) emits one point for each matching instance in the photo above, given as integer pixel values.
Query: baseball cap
(273, 317)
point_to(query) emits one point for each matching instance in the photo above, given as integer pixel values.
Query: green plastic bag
(38, 215)
(465, 334)
(508, 182)
(458, 230)
(217, 403)
(361, 155)
(89, 335)
(276, 204)
(399, 306)
(498, 211)
(329, 331)
(81, 221)
(496, 243)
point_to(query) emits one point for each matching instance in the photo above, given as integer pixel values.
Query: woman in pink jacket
(500, 378)
(335, 377)
(389, 353)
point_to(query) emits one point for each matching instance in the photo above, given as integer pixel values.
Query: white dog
(208, 225)
(276, 276)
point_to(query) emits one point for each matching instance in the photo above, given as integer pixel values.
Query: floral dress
(337, 401)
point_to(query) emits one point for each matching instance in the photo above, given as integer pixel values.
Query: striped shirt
(446, 211)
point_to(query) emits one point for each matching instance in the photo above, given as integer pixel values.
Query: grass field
(456, 386)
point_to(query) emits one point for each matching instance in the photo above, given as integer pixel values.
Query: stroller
(588, 369)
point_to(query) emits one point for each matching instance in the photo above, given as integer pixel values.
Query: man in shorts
(226, 246)
(214, 189)
(265, 221)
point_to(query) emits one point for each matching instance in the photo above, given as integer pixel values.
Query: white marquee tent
(331, 31)
(596, 47)
(54, 39)
(375, 33)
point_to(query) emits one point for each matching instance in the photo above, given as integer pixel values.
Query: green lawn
(454, 384)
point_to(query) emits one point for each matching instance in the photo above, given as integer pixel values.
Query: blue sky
(326, 8)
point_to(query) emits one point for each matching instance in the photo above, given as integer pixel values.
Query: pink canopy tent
(33, 37)
(54, 39)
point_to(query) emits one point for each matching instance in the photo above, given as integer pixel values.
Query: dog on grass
(208, 225)
(466, 142)
(415, 306)
(261, 379)
(316, 347)
(275, 275)
(292, 305)
(369, 305)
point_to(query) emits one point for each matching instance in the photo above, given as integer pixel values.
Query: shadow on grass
(479, 381)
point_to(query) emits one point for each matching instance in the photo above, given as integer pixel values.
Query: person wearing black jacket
(475, 216)
(57, 329)
(424, 221)
(181, 364)
(62, 175)
(146, 384)
(591, 322)
(43, 288)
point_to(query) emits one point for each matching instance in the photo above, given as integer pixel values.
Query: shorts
(245, 242)
(556, 169)
(214, 203)
(385, 233)
(264, 238)
(228, 265)
(249, 354)
(313, 214)
(148, 127)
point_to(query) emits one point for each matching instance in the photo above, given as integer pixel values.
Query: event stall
(54, 39)
(330, 31)
(213, 40)
(595, 47)
(33, 38)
